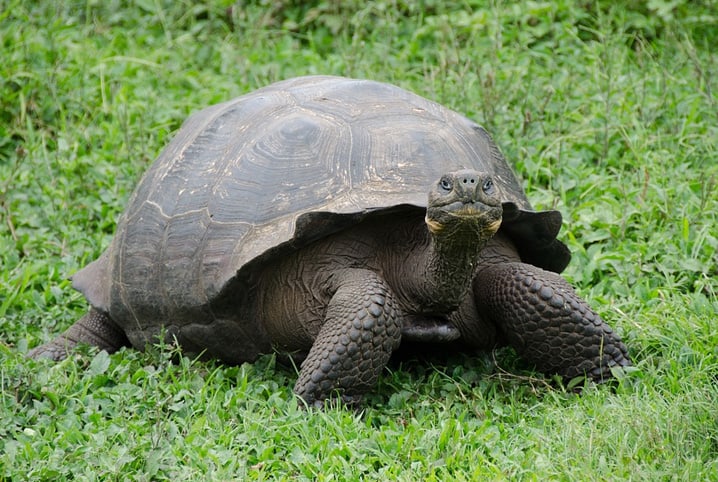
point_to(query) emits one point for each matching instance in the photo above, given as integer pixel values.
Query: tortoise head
(465, 199)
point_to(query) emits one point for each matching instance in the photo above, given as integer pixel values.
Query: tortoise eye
(446, 184)
(488, 186)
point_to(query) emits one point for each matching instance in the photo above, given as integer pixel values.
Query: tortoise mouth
(466, 209)
(470, 213)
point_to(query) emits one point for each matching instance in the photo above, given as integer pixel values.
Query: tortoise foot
(95, 328)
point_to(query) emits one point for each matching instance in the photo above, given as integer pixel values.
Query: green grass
(608, 112)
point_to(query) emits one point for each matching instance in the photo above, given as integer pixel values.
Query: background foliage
(607, 110)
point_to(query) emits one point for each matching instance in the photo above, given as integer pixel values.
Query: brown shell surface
(272, 170)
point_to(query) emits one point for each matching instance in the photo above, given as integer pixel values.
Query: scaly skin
(545, 321)
(362, 329)
(95, 328)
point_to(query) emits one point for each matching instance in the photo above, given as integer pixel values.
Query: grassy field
(606, 110)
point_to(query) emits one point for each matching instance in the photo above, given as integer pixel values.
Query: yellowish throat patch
(493, 227)
(435, 227)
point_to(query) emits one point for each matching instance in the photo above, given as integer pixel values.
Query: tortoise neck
(449, 265)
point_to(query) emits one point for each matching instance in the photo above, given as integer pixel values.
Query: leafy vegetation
(607, 110)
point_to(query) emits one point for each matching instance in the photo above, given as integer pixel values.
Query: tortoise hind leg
(95, 328)
(545, 321)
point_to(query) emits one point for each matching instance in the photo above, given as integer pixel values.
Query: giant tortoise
(333, 219)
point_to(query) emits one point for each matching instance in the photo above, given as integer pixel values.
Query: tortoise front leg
(545, 321)
(95, 328)
(361, 330)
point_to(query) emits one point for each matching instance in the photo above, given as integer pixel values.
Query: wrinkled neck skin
(448, 266)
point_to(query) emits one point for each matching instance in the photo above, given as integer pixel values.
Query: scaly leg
(545, 321)
(95, 328)
(361, 330)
